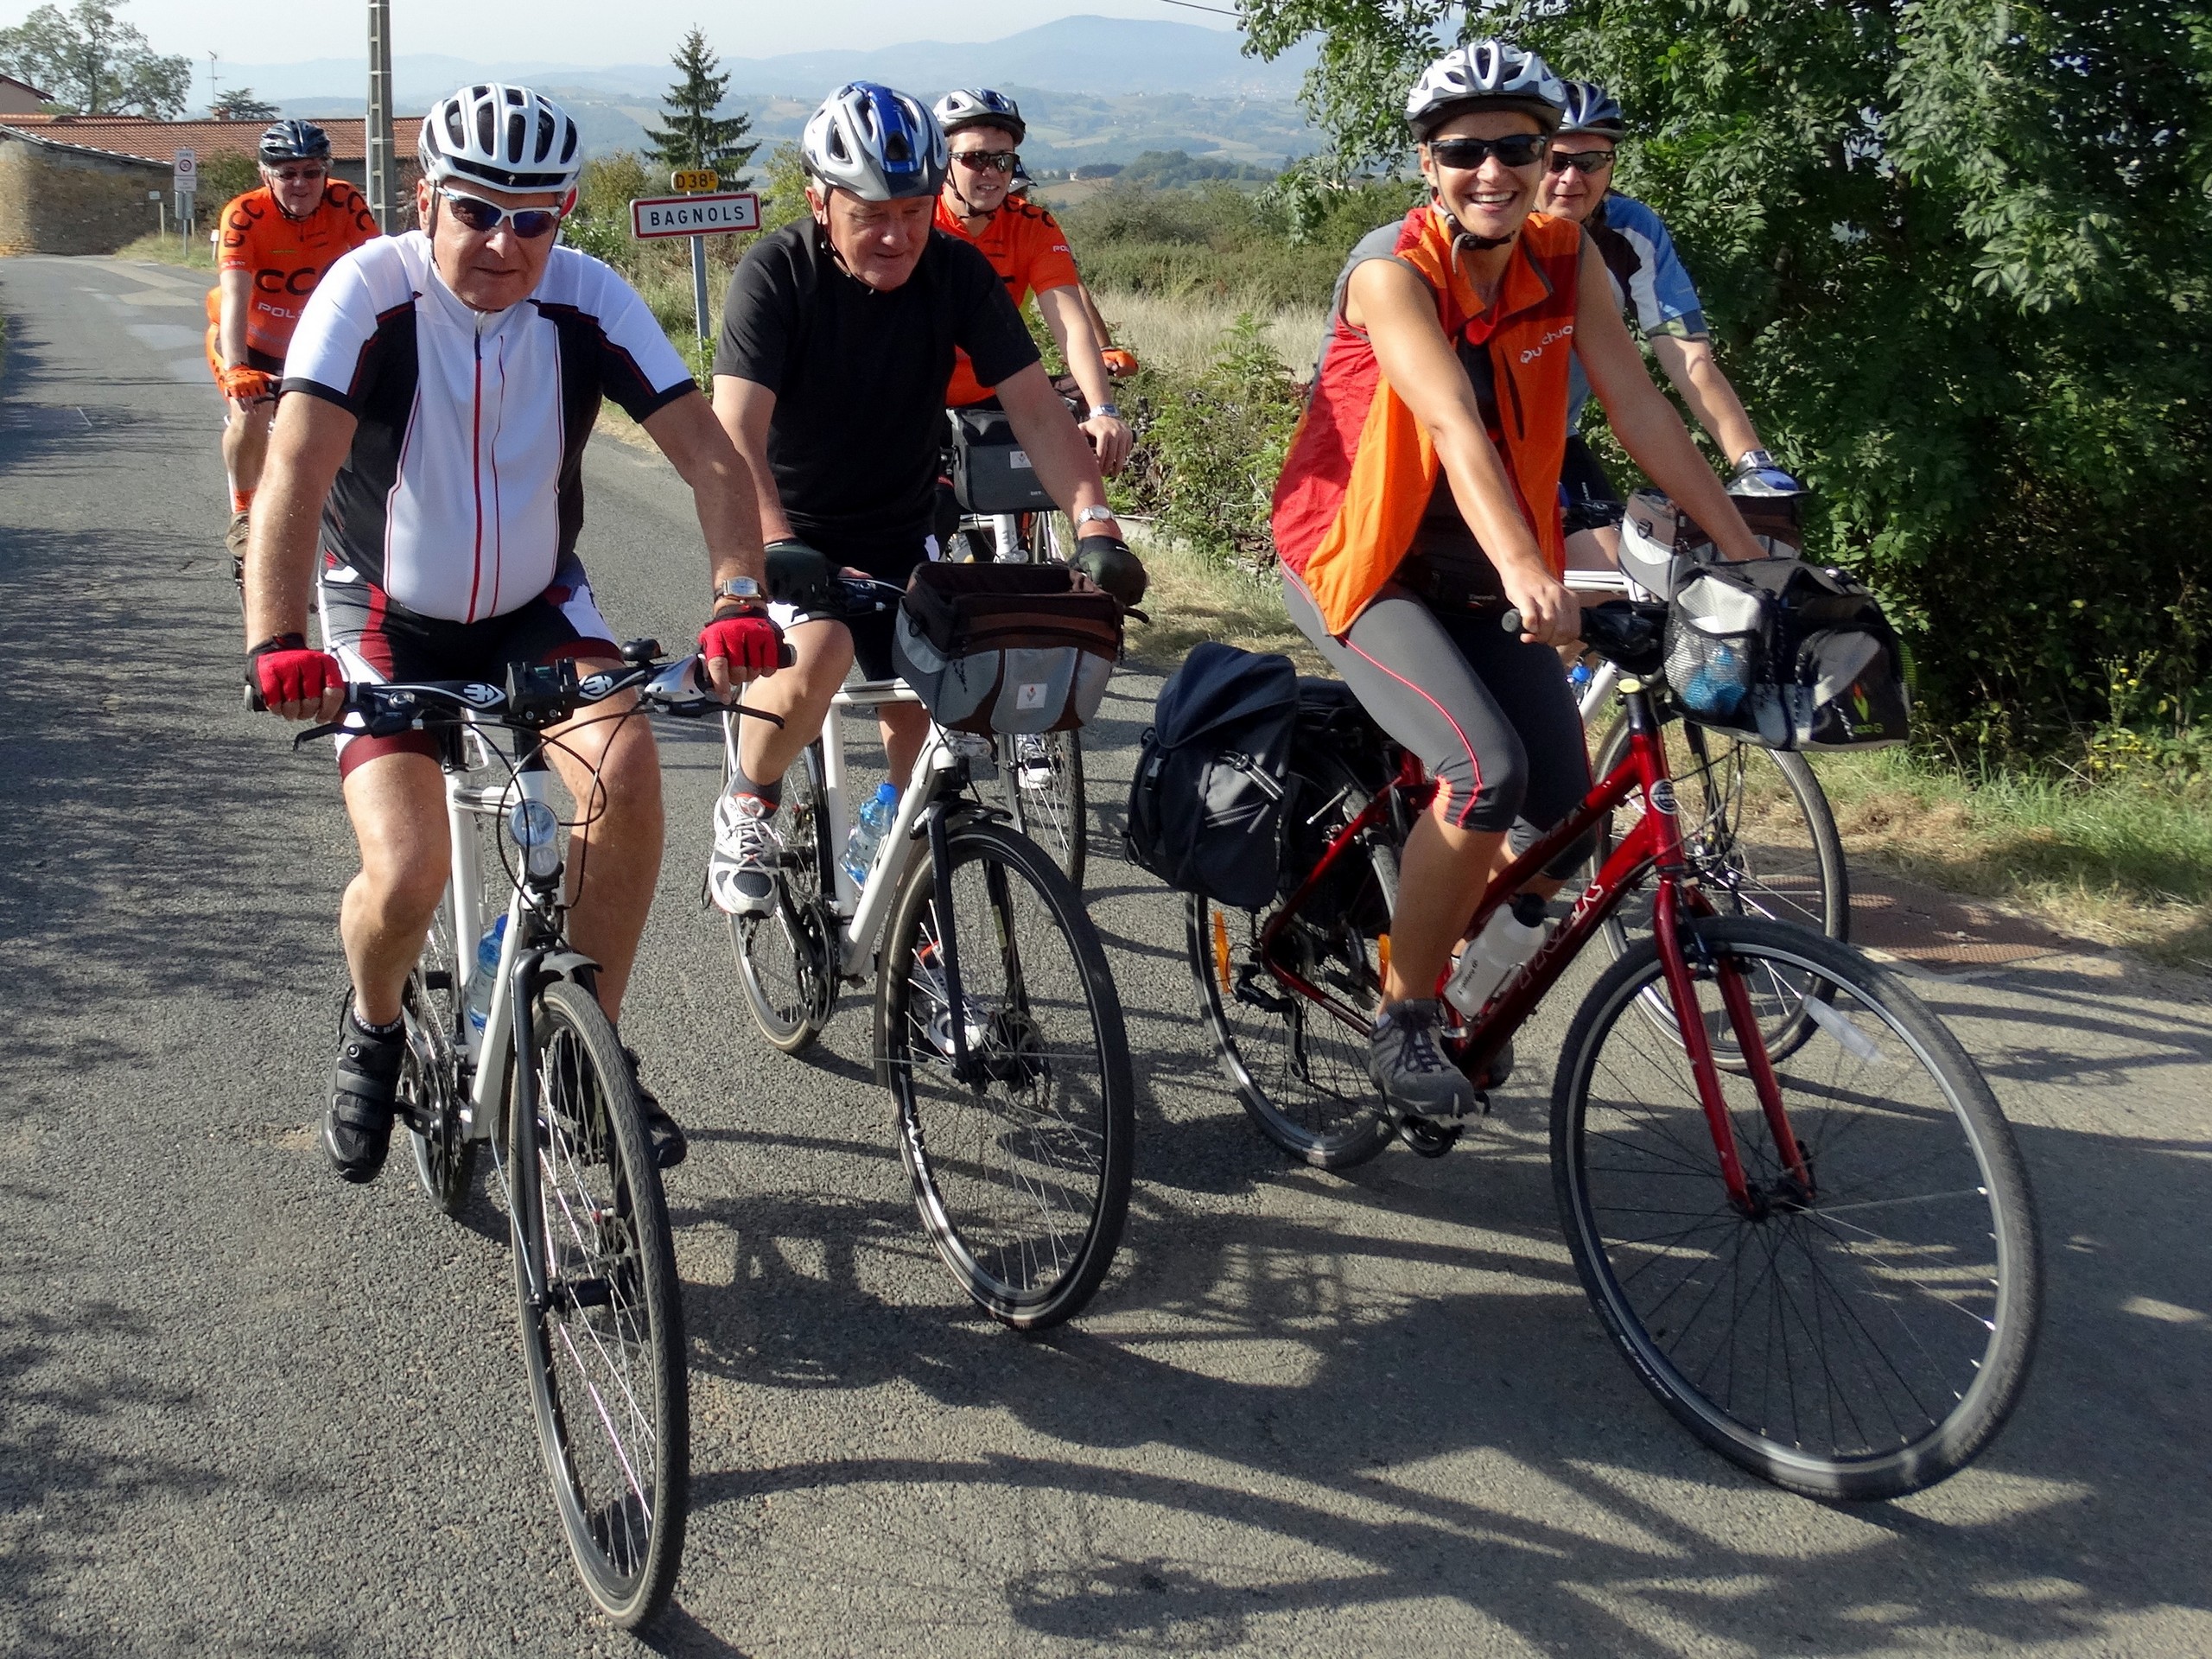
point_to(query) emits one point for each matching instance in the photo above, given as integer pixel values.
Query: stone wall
(55, 201)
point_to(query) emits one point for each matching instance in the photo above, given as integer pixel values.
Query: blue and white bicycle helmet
(980, 107)
(1484, 74)
(881, 145)
(507, 138)
(1590, 108)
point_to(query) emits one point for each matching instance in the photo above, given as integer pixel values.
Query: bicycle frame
(1654, 843)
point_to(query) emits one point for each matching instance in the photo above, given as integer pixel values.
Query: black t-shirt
(858, 374)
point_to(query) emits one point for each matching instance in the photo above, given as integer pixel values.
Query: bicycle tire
(1960, 1276)
(1022, 1178)
(429, 1078)
(1051, 810)
(1301, 1074)
(784, 958)
(606, 1352)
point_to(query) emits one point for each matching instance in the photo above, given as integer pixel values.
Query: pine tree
(692, 136)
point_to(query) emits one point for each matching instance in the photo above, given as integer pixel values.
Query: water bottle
(1508, 939)
(479, 994)
(868, 834)
(1715, 685)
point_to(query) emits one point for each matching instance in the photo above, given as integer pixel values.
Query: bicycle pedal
(437, 979)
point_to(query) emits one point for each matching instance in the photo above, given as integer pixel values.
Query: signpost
(703, 211)
(184, 179)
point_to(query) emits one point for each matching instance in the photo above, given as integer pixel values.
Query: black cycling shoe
(663, 1134)
(364, 1097)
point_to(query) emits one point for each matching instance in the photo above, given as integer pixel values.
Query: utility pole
(382, 181)
(214, 95)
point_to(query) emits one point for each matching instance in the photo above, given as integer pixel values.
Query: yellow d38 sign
(691, 179)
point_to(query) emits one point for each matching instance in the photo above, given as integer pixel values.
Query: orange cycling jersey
(287, 256)
(1029, 250)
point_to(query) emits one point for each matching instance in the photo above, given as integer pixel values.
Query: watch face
(739, 588)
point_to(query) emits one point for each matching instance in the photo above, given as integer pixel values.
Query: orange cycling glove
(247, 385)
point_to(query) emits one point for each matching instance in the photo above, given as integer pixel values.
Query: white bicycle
(997, 1029)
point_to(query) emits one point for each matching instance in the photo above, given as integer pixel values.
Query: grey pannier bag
(1007, 648)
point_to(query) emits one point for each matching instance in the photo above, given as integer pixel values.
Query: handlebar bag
(1786, 655)
(1207, 805)
(1010, 648)
(991, 472)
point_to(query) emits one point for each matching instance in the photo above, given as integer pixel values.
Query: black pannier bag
(991, 472)
(1012, 648)
(1786, 655)
(1207, 805)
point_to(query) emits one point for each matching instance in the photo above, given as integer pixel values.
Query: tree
(693, 135)
(93, 63)
(238, 103)
(1952, 253)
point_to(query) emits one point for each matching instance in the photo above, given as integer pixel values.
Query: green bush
(1210, 445)
(222, 180)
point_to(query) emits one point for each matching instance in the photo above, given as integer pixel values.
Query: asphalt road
(245, 1409)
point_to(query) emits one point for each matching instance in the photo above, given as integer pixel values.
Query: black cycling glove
(1107, 562)
(799, 575)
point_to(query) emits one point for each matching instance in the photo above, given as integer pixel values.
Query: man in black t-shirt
(837, 339)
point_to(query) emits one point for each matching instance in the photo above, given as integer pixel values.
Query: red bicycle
(1790, 1194)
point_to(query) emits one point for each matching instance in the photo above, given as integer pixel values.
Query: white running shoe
(741, 876)
(1032, 762)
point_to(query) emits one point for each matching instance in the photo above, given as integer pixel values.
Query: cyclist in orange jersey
(1028, 248)
(272, 246)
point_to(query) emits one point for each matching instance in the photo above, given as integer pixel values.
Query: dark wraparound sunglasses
(985, 160)
(301, 175)
(484, 217)
(1515, 149)
(1585, 161)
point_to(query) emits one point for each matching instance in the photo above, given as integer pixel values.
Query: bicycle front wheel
(445, 1161)
(604, 1346)
(784, 958)
(1862, 1337)
(1042, 778)
(1016, 1134)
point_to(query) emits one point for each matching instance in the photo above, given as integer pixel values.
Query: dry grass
(1186, 334)
(1191, 598)
(170, 250)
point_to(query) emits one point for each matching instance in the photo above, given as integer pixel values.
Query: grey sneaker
(741, 876)
(1408, 1065)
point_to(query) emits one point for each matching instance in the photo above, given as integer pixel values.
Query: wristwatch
(1107, 409)
(741, 590)
(1093, 513)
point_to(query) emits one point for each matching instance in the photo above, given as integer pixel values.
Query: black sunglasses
(484, 217)
(1515, 149)
(986, 161)
(1582, 160)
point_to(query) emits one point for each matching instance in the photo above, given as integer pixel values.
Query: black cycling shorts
(377, 640)
(1586, 497)
(887, 558)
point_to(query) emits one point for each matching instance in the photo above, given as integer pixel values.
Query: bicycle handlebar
(1624, 632)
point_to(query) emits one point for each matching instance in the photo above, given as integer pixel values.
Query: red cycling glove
(748, 641)
(283, 669)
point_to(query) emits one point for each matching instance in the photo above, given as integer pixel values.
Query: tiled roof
(43, 98)
(159, 141)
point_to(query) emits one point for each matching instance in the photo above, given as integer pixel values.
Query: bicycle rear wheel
(605, 1350)
(1861, 1341)
(784, 957)
(445, 1161)
(1042, 778)
(1300, 1071)
(1021, 1168)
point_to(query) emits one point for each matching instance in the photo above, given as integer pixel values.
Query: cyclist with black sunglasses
(425, 486)
(1650, 284)
(983, 130)
(272, 245)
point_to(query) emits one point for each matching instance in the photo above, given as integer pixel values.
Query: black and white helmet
(294, 141)
(1484, 75)
(980, 107)
(506, 137)
(1590, 108)
(879, 144)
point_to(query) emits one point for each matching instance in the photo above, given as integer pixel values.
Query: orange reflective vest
(1361, 468)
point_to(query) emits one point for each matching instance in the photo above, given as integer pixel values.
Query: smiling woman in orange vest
(1420, 498)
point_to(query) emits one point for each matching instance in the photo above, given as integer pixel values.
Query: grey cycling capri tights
(1492, 718)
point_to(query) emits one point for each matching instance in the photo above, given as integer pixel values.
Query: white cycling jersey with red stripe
(463, 490)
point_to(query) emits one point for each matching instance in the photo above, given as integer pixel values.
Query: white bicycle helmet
(1590, 108)
(507, 138)
(879, 144)
(980, 107)
(1484, 74)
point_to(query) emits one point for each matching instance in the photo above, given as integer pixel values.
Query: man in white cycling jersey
(1651, 286)
(428, 445)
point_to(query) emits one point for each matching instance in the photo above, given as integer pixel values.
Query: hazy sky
(582, 31)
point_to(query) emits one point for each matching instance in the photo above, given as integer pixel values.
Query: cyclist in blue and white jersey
(424, 488)
(1651, 286)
